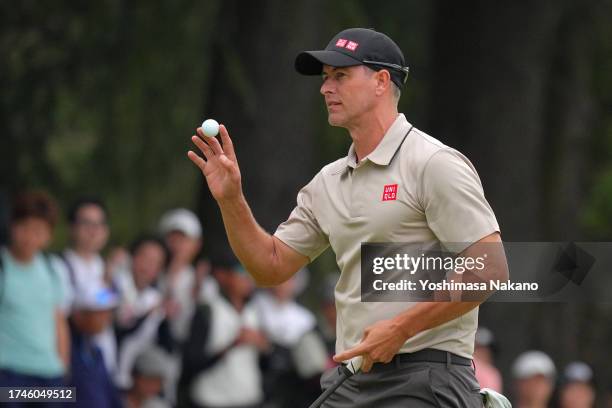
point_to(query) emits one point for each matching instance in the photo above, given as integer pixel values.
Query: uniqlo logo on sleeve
(341, 43)
(352, 45)
(390, 192)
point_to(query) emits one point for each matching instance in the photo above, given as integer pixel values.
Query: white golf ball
(210, 127)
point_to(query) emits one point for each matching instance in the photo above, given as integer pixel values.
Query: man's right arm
(269, 260)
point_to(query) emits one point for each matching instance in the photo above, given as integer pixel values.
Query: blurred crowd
(156, 325)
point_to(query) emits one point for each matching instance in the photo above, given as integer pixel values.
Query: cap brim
(311, 62)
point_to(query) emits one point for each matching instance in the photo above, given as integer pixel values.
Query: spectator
(577, 390)
(298, 355)
(92, 314)
(83, 264)
(485, 349)
(534, 376)
(327, 316)
(182, 233)
(148, 374)
(225, 372)
(140, 313)
(34, 342)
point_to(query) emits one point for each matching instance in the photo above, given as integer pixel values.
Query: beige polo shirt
(439, 197)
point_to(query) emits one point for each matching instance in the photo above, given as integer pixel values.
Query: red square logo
(352, 45)
(390, 192)
(341, 43)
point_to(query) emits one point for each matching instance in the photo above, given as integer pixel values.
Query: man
(92, 314)
(182, 285)
(413, 354)
(485, 349)
(297, 356)
(83, 264)
(577, 388)
(182, 232)
(534, 379)
(221, 356)
(140, 312)
(34, 342)
(149, 373)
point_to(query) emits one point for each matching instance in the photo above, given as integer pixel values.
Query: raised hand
(219, 164)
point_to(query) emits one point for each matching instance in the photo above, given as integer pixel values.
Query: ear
(383, 81)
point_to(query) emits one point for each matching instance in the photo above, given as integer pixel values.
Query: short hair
(397, 92)
(150, 239)
(81, 202)
(34, 204)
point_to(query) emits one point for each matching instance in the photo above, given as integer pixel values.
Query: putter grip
(352, 367)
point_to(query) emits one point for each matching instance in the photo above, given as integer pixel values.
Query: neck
(83, 253)
(21, 255)
(368, 133)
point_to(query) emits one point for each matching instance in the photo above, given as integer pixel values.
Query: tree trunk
(266, 106)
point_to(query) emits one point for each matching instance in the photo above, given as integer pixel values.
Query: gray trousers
(413, 385)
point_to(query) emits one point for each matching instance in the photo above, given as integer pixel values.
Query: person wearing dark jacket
(92, 314)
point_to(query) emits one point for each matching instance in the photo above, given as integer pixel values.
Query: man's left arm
(63, 338)
(382, 340)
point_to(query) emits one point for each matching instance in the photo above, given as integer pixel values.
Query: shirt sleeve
(302, 231)
(454, 202)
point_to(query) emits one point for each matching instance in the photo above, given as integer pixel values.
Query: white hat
(151, 362)
(484, 337)
(183, 220)
(532, 363)
(95, 296)
(578, 371)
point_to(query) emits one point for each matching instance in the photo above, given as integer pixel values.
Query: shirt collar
(384, 152)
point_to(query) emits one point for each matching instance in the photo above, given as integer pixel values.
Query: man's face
(234, 283)
(147, 386)
(349, 93)
(183, 249)
(147, 263)
(30, 235)
(90, 230)
(577, 395)
(536, 389)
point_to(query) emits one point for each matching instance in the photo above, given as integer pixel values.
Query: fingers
(228, 145)
(211, 141)
(350, 353)
(204, 148)
(197, 160)
(367, 363)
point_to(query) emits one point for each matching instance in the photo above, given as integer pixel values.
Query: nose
(326, 87)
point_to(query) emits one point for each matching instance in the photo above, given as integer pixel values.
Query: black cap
(356, 46)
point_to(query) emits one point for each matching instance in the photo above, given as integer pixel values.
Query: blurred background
(102, 98)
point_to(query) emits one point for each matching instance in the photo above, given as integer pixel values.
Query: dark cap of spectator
(328, 287)
(34, 204)
(149, 238)
(225, 261)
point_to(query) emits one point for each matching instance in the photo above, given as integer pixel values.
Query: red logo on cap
(341, 43)
(390, 192)
(352, 45)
